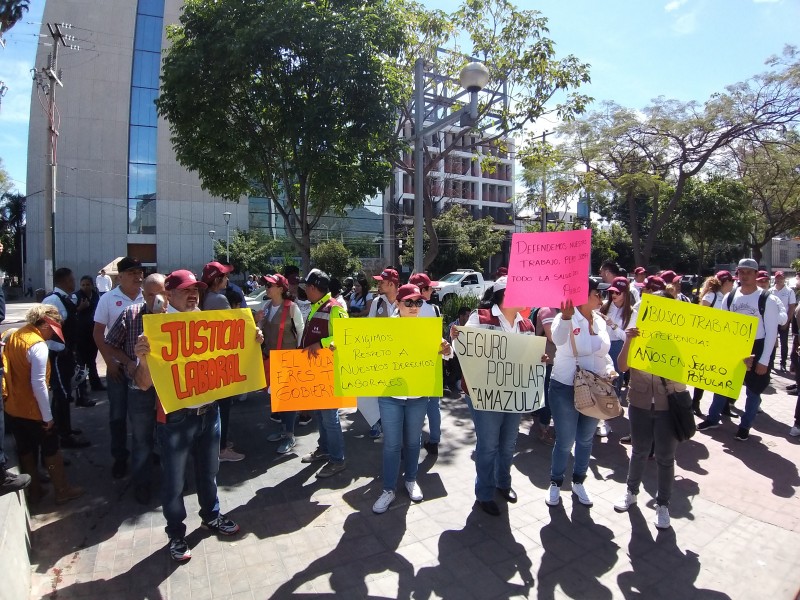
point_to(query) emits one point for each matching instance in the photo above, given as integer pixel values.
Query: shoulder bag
(680, 410)
(594, 395)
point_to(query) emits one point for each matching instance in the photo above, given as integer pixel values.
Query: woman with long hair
(618, 314)
(581, 337)
(360, 298)
(651, 428)
(283, 329)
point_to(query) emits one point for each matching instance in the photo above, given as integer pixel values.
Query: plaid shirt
(127, 329)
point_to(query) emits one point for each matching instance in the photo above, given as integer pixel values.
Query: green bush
(451, 305)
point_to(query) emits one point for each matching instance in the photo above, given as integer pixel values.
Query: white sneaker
(414, 491)
(662, 517)
(230, 455)
(382, 504)
(794, 431)
(603, 429)
(582, 494)
(553, 495)
(624, 503)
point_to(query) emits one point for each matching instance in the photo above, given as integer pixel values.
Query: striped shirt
(127, 329)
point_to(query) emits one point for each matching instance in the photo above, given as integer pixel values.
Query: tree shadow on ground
(660, 569)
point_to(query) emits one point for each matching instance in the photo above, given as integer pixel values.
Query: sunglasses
(411, 303)
(615, 293)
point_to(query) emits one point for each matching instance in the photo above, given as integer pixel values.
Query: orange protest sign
(302, 382)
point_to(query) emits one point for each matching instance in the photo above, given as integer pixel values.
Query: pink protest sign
(546, 269)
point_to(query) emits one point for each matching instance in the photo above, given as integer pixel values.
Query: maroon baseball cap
(408, 292)
(213, 270)
(276, 279)
(421, 280)
(655, 284)
(388, 275)
(181, 279)
(762, 275)
(670, 276)
(620, 284)
(779, 274)
(501, 272)
(724, 276)
(639, 270)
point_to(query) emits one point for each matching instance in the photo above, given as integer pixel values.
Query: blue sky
(638, 49)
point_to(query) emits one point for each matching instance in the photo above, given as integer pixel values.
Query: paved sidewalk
(736, 523)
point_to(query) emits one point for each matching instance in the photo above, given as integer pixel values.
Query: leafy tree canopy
(11, 12)
(335, 259)
(288, 99)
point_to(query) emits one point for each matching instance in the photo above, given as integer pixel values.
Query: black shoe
(742, 434)
(142, 494)
(73, 441)
(726, 412)
(490, 507)
(431, 448)
(509, 494)
(119, 469)
(625, 439)
(697, 412)
(85, 402)
(791, 388)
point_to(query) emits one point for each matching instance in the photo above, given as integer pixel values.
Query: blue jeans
(183, 434)
(544, 414)
(288, 420)
(434, 420)
(402, 429)
(117, 417)
(752, 402)
(142, 415)
(331, 438)
(572, 427)
(497, 439)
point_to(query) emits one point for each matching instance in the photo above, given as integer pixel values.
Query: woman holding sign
(581, 337)
(496, 432)
(402, 418)
(651, 423)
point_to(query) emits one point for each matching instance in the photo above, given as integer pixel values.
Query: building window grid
(143, 119)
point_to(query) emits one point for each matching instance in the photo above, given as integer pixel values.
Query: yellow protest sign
(504, 371)
(388, 357)
(299, 381)
(202, 356)
(698, 345)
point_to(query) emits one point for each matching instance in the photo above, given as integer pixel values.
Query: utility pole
(52, 73)
(544, 186)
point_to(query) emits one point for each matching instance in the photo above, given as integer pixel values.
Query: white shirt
(103, 283)
(747, 304)
(475, 321)
(387, 308)
(305, 308)
(785, 295)
(592, 349)
(38, 355)
(428, 310)
(714, 299)
(615, 314)
(111, 305)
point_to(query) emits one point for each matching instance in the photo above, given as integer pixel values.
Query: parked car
(462, 282)
(256, 299)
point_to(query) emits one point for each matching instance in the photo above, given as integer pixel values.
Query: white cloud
(675, 5)
(685, 24)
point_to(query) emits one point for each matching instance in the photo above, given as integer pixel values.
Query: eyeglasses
(410, 303)
(615, 293)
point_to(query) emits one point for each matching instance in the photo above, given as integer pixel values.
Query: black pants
(86, 352)
(783, 336)
(62, 368)
(31, 435)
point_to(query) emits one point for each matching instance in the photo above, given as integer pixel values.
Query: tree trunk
(636, 241)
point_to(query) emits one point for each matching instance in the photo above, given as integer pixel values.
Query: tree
(525, 77)
(651, 155)
(12, 226)
(715, 211)
(770, 174)
(550, 183)
(291, 100)
(11, 11)
(464, 242)
(250, 251)
(335, 259)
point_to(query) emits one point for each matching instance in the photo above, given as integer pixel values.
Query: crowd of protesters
(50, 362)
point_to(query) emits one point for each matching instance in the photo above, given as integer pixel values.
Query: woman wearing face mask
(402, 418)
(581, 337)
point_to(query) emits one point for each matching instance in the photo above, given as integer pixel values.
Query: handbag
(286, 305)
(680, 410)
(595, 395)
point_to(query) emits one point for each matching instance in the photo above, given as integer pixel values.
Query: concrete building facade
(120, 190)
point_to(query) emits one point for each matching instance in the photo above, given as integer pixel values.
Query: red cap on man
(215, 269)
(388, 275)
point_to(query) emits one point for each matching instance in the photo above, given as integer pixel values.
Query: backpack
(70, 324)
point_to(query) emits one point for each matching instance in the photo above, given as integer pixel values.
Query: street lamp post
(227, 216)
(473, 79)
(211, 234)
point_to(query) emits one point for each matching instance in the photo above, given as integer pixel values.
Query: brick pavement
(736, 523)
